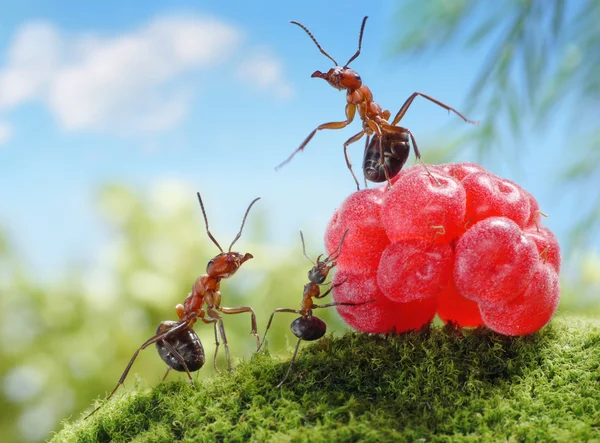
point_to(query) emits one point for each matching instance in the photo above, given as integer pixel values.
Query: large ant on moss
(176, 341)
(387, 152)
(309, 327)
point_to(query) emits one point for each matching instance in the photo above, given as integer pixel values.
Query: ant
(309, 327)
(176, 341)
(386, 154)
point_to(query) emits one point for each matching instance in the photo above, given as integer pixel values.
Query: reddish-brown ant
(309, 327)
(176, 341)
(387, 152)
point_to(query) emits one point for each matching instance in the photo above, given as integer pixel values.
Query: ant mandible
(309, 327)
(386, 154)
(176, 341)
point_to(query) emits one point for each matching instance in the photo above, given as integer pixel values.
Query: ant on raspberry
(176, 341)
(309, 327)
(387, 152)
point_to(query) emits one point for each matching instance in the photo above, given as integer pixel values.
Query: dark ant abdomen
(396, 148)
(309, 328)
(187, 344)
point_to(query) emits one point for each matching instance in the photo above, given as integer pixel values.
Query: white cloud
(129, 82)
(5, 133)
(32, 59)
(265, 72)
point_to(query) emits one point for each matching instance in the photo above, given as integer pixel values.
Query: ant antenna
(206, 222)
(304, 248)
(338, 250)
(239, 234)
(362, 29)
(317, 43)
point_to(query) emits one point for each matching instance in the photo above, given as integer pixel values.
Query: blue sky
(222, 97)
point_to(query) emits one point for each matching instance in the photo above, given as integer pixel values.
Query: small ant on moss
(387, 152)
(309, 327)
(176, 341)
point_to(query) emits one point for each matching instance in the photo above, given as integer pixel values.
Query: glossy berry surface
(381, 315)
(494, 261)
(418, 207)
(366, 237)
(547, 245)
(411, 270)
(528, 312)
(454, 308)
(491, 196)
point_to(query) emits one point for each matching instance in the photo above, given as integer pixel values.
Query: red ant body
(387, 152)
(176, 341)
(309, 327)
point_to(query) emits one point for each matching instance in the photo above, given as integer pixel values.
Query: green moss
(432, 386)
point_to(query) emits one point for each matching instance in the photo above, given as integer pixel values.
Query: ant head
(226, 264)
(340, 77)
(319, 272)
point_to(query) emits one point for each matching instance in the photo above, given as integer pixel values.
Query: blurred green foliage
(63, 344)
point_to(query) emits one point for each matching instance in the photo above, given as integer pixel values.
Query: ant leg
(224, 338)
(326, 293)
(351, 140)
(166, 373)
(147, 343)
(328, 305)
(291, 364)
(240, 310)
(178, 356)
(216, 349)
(366, 147)
(350, 113)
(218, 321)
(410, 99)
(271, 320)
(418, 154)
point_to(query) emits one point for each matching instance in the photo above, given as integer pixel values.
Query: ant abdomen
(396, 148)
(309, 328)
(186, 343)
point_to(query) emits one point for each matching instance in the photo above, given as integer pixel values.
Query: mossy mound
(436, 385)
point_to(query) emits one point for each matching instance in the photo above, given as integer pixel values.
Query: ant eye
(357, 77)
(210, 263)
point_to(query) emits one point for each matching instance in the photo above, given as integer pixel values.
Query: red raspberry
(531, 310)
(535, 216)
(382, 315)
(453, 307)
(494, 261)
(418, 207)
(547, 245)
(407, 249)
(366, 238)
(489, 195)
(460, 170)
(411, 270)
